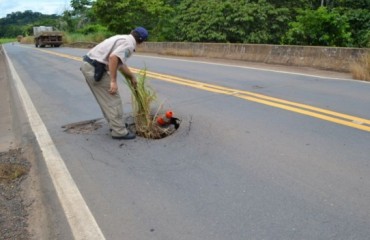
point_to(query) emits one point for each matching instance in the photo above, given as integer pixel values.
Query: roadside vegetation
(340, 23)
(7, 40)
(361, 70)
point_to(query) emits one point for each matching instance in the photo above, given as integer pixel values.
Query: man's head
(140, 34)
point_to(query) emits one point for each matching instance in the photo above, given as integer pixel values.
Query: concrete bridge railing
(328, 58)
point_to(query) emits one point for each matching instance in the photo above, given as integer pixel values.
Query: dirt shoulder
(14, 169)
(7, 140)
(13, 209)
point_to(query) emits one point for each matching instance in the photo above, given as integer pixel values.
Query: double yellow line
(331, 116)
(327, 115)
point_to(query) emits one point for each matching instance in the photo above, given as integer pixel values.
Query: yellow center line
(308, 110)
(226, 90)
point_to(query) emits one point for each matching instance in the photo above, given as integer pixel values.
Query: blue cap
(143, 33)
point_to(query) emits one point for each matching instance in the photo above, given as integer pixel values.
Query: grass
(143, 97)
(11, 166)
(11, 171)
(7, 40)
(361, 69)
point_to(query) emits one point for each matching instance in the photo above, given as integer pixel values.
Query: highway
(260, 154)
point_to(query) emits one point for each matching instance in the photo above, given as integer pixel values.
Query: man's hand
(113, 87)
(134, 82)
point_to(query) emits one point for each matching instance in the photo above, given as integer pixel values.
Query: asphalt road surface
(260, 154)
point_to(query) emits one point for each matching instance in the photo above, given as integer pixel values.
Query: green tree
(358, 14)
(359, 21)
(291, 4)
(123, 16)
(350, 4)
(67, 22)
(304, 22)
(269, 23)
(81, 7)
(79, 17)
(173, 3)
(197, 21)
(82, 11)
(319, 27)
(230, 21)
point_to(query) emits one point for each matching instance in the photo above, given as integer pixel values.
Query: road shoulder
(43, 216)
(14, 167)
(7, 140)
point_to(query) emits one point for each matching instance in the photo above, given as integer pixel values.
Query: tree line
(343, 23)
(21, 23)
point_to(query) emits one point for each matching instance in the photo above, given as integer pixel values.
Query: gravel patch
(13, 215)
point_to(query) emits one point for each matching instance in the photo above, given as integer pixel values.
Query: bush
(28, 40)
(94, 28)
(91, 33)
(89, 38)
(319, 28)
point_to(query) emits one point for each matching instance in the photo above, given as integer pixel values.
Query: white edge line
(78, 214)
(252, 68)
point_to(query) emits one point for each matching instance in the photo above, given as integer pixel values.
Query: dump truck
(47, 36)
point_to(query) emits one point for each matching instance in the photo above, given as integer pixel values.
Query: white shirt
(122, 46)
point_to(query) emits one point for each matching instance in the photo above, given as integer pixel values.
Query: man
(100, 70)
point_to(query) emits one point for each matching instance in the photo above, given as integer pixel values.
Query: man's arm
(128, 74)
(113, 66)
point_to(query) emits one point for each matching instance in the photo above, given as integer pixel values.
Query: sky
(42, 6)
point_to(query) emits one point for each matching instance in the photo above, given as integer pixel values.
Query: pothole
(152, 131)
(155, 132)
(83, 127)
